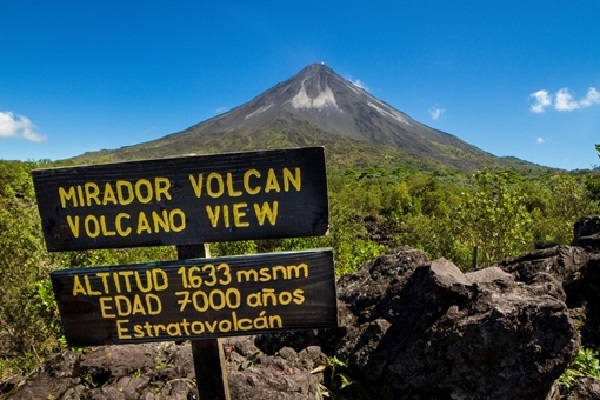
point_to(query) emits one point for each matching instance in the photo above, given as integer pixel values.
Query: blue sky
(519, 78)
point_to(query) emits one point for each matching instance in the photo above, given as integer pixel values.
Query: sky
(514, 78)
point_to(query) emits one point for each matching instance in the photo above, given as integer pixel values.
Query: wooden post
(209, 359)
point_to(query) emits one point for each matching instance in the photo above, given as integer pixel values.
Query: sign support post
(209, 359)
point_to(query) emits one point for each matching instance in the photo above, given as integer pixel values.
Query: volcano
(319, 107)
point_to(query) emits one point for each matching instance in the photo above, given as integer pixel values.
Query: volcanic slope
(317, 107)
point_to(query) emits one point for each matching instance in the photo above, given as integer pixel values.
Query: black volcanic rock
(409, 328)
(586, 232)
(423, 329)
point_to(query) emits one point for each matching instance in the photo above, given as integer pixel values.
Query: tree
(593, 182)
(29, 328)
(493, 218)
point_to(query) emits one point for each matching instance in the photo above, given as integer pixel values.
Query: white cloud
(592, 97)
(356, 82)
(18, 126)
(563, 100)
(221, 110)
(360, 84)
(540, 140)
(437, 113)
(542, 100)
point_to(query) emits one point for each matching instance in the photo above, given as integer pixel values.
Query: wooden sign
(197, 298)
(185, 200)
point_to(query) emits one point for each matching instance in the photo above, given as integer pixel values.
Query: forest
(469, 218)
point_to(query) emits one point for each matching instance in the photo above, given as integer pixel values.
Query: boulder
(113, 372)
(586, 389)
(586, 233)
(577, 270)
(437, 332)
(285, 375)
(165, 371)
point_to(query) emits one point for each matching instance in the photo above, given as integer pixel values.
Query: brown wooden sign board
(197, 298)
(184, 200)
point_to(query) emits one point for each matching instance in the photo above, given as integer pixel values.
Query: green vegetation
(586, 363)
(28, 325)
(445, 213)
(338, 383)
(341, 151)
(501, 213)
(29, 321)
